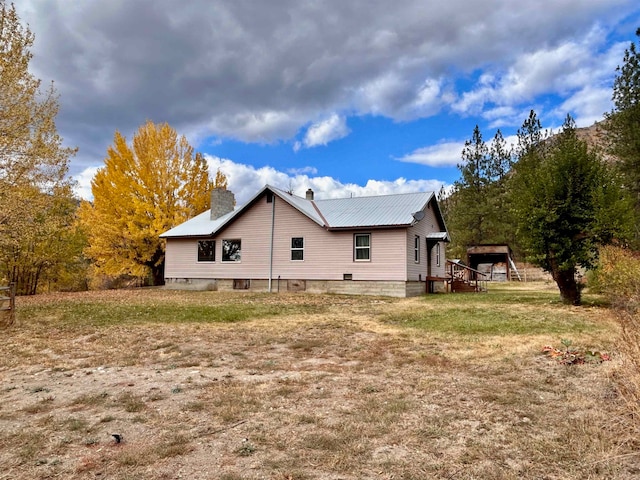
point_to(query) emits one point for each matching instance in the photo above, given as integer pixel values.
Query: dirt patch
(331, 395)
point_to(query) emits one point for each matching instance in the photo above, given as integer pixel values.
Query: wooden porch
(460, 278)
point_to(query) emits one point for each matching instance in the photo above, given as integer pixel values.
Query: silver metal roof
(341, 213)
(199, 226)
(379, 211)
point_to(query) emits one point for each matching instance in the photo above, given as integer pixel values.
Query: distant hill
(595, 136)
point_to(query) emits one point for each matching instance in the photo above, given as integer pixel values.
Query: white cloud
(579, 71)
(83, 183)
(587, 105)
(445, 154)
(321, 133)
(246, 180)
(261, 73)
(303, 170)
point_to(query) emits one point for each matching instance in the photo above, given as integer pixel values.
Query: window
(362, 247)
(231, 250)
(438, 254)
(416, 249)
(206, 250)
(297, 248)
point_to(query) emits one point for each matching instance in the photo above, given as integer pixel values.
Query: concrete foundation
(347, 287)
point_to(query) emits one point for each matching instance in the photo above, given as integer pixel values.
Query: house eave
(367, 227)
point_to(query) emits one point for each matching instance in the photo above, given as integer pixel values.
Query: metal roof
(199, 226)
(341, 213)
(379, 211)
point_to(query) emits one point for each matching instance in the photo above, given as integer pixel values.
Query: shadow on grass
(503, 310)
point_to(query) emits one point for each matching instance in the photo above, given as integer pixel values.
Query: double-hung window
(231, 250)
(416, 249)
(206, 250)
(438, 254)
(362, 247)
(297, 248)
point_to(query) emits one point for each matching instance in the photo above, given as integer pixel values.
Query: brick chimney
(222, 202)
(309, 194)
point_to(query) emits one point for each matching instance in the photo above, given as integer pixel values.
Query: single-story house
(380, 245)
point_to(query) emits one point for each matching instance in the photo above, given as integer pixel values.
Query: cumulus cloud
(260, 72)
(448, 154)
(578, 71)
(321, 133)
(246, 180)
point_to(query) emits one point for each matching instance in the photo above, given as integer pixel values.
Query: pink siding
(427, 225)
(327, 255)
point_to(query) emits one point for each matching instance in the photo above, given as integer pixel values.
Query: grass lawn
(213, 385)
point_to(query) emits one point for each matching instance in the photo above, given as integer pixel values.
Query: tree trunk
(157, 268)
(569, 289)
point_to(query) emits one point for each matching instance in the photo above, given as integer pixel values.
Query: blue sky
(347, 98)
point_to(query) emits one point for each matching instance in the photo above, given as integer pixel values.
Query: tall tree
(142, 191)
(33, 162)
(623, 125)
(476, 209)
(567, 203)
(468, 210)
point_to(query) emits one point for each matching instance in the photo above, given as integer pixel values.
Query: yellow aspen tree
(220, 181)
(33, 162)
(143, 189)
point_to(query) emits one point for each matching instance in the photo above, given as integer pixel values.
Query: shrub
(618, 278)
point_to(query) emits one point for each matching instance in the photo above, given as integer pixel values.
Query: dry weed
(327, 390)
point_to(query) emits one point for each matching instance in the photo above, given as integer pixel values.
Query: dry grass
(246, 386)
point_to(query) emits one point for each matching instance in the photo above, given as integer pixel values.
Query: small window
(231, 250)
(206, 250)
(438, 254)
(241, 284)
(362, 247)
(297, 248)
(416, 249)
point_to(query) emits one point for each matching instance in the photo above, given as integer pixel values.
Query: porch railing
(466, 279)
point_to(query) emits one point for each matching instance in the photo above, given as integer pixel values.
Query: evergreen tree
(623, 126)
(566, 201)
(477, 210)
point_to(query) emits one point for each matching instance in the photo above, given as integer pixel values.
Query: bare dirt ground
(337, 394)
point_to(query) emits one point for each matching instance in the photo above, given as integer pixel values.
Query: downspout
(273, 217)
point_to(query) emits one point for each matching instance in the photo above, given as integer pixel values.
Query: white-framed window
(438, 254)
(206, 250)
(297, 248)
(416, 249)
(362, 247)
(231, 250)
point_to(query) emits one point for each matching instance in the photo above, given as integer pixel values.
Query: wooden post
(11, 291)
(12, 302)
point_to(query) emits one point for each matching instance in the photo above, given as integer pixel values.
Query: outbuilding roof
(333, 214)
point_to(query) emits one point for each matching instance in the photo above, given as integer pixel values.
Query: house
(381, 245)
